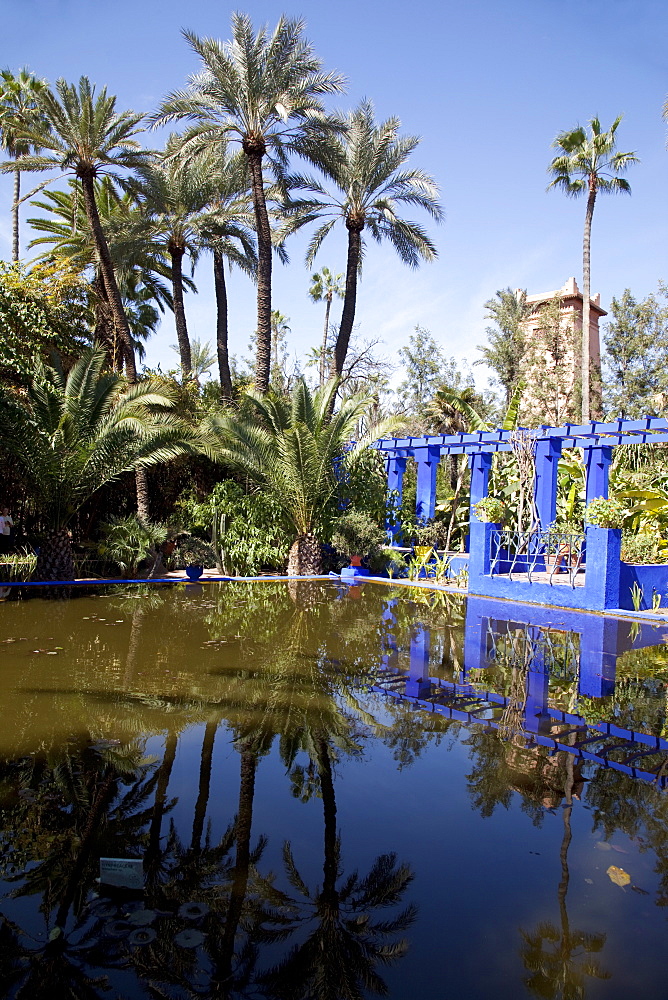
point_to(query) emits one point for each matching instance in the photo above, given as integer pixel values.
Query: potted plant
(194, 555)
(356, 535)
(604, 512)
(562, 546)
(491, 510)
(429, 537)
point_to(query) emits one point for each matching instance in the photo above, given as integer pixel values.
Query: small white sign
(127, 873)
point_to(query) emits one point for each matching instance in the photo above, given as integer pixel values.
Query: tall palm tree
(290, 447)
(586, 164)
(264, 92)
(324, 286)
(175, 195)
(81, 133)
(138, 258)
(73, 434)
(18, 108)
(365, 165)
(226, 230)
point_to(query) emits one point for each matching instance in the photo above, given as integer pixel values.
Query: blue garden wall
(651, 580)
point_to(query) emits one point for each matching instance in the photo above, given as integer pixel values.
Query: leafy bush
(643, 548)
(249, 528)
(126, 542)
(491, 510)
(193, 551)
(387, 560)
(606, 512)
(356, 533)
(432, 533)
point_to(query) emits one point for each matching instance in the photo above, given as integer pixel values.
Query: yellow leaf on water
(618, 875)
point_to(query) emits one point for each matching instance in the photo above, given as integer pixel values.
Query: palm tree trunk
(263, 357)
(141, 485)
(15, 215)
(241, 867)
(329, 814)
(305, 558)
(323, 353)
(350, 299)
(152, 855)
(201, 805)
(108, 276)
(222, 330)
(176, 253)
(55, 560)
(586, 283)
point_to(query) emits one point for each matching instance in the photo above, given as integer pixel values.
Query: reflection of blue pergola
(597, 439)
(411, 674)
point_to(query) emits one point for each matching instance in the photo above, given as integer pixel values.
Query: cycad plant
(292, 449)
(74, 433)
(367, 183)
(263, 91)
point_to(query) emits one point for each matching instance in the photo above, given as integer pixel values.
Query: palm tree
(263, 92)
(138, 258)
(175, 195)
(324, 286)
(18, 108)
(226, 230)
(289, 447)
(586, 164)
(364, 163)
(73, 434)
(81, 133)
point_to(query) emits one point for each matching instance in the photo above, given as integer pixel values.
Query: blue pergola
(597, 438)
(607, 579)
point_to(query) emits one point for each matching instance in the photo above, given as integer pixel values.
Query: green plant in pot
(491, 510)
(194, 555)
(356, 536)
(604, 512)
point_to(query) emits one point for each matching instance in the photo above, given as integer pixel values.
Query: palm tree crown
(586, 164)
(264, 92)
(18, 108)
(364, 163)
(80, 132)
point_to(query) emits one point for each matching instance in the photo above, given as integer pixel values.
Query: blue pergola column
(479, 533)
(597, 463)
(545, 483)
(418, 684)
(396, 467)
(425, 500)
(480, 464)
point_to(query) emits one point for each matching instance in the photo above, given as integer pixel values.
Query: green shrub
(643, 548)
(491, 509)
(193, 551)
(248, 528)
(126, 542)
(357, 534)
(606, 512)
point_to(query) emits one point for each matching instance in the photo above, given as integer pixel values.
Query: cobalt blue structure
(598, 580)
(596, 644)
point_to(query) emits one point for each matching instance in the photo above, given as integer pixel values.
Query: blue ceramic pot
(194, 572)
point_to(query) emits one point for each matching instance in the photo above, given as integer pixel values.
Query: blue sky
(486, 83)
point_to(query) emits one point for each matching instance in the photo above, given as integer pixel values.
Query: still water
(334, 793)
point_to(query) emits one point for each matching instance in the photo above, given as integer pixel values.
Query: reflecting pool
(334, 792)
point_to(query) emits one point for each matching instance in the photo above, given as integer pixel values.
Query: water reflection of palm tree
(338, 959)
(559, 959)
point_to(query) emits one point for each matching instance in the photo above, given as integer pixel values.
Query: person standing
(7, 527)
